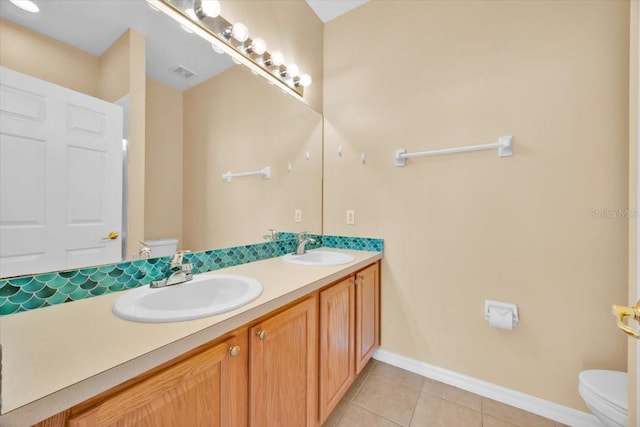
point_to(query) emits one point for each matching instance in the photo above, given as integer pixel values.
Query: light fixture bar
(212, 31)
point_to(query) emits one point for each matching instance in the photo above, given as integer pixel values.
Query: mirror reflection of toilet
(605, 393)
(162, 247)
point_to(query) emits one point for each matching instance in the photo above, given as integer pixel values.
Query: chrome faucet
(181, 275)
(302, 243)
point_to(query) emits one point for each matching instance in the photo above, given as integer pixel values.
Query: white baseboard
(544, 408)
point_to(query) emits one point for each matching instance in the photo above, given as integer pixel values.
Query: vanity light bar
(216, 29)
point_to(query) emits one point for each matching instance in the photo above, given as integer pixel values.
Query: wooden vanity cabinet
(208, 388)
(283, 367)
(349, 333)
(264, 374)
(337, 344)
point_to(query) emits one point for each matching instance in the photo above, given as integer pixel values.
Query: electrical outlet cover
(351, 217)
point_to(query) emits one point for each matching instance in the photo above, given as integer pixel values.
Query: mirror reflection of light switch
(298, 215)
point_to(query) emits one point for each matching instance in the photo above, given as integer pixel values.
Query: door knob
(262, 335)
(621, 312)
(113, 235)
(234, 351)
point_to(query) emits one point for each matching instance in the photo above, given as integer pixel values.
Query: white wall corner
(559, 413)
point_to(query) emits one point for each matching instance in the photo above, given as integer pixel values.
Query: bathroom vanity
(288, 357)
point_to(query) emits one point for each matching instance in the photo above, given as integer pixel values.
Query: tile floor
(386, 396)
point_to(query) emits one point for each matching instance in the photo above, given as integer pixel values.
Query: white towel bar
(504, 146)
(265, 172)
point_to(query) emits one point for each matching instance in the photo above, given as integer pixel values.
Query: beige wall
(237, 122)
(123, 72)
(114, 79)
(163, 162)
(42, 57)
(289, 26)
(460, 229)
(633, 360)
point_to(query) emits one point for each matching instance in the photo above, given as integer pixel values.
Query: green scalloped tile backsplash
(30, 292)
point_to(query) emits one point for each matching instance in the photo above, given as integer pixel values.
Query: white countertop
(58, 356)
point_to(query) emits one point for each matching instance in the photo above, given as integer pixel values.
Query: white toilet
(162, 247)
(605, 393)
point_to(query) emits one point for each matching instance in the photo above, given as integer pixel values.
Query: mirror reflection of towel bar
(265, 172)
(504, 146)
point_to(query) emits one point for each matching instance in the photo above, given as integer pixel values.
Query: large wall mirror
(190, 115)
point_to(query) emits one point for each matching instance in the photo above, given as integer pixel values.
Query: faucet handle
(273, 235)
(303, 235)
(177, 258)
(144, 251)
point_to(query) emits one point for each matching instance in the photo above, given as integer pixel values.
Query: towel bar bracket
(505, 147)
(401, 161)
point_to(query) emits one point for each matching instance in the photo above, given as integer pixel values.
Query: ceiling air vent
(182, 71)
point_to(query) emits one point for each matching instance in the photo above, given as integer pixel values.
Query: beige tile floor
(386, 396)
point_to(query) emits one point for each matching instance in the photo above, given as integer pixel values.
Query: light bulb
(26, 5)
(210, 8)
(305, 80)
(277, 58)
(240, 32)
(292, 70)
(186, 29)
(234, 59)
(216, 49)
(258, 46)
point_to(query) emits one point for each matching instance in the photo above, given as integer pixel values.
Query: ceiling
(330, 9)
(92, 26)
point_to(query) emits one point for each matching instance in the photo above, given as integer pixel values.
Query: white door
(60, 177)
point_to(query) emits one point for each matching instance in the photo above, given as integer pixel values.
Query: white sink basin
(319, 258)
(203, 296)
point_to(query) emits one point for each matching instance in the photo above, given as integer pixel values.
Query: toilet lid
(609, 385)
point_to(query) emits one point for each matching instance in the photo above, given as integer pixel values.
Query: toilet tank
(162, 247)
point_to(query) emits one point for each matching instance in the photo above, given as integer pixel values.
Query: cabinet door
(282, 363)
(367, 314)
(337, 330)
(203, 390)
